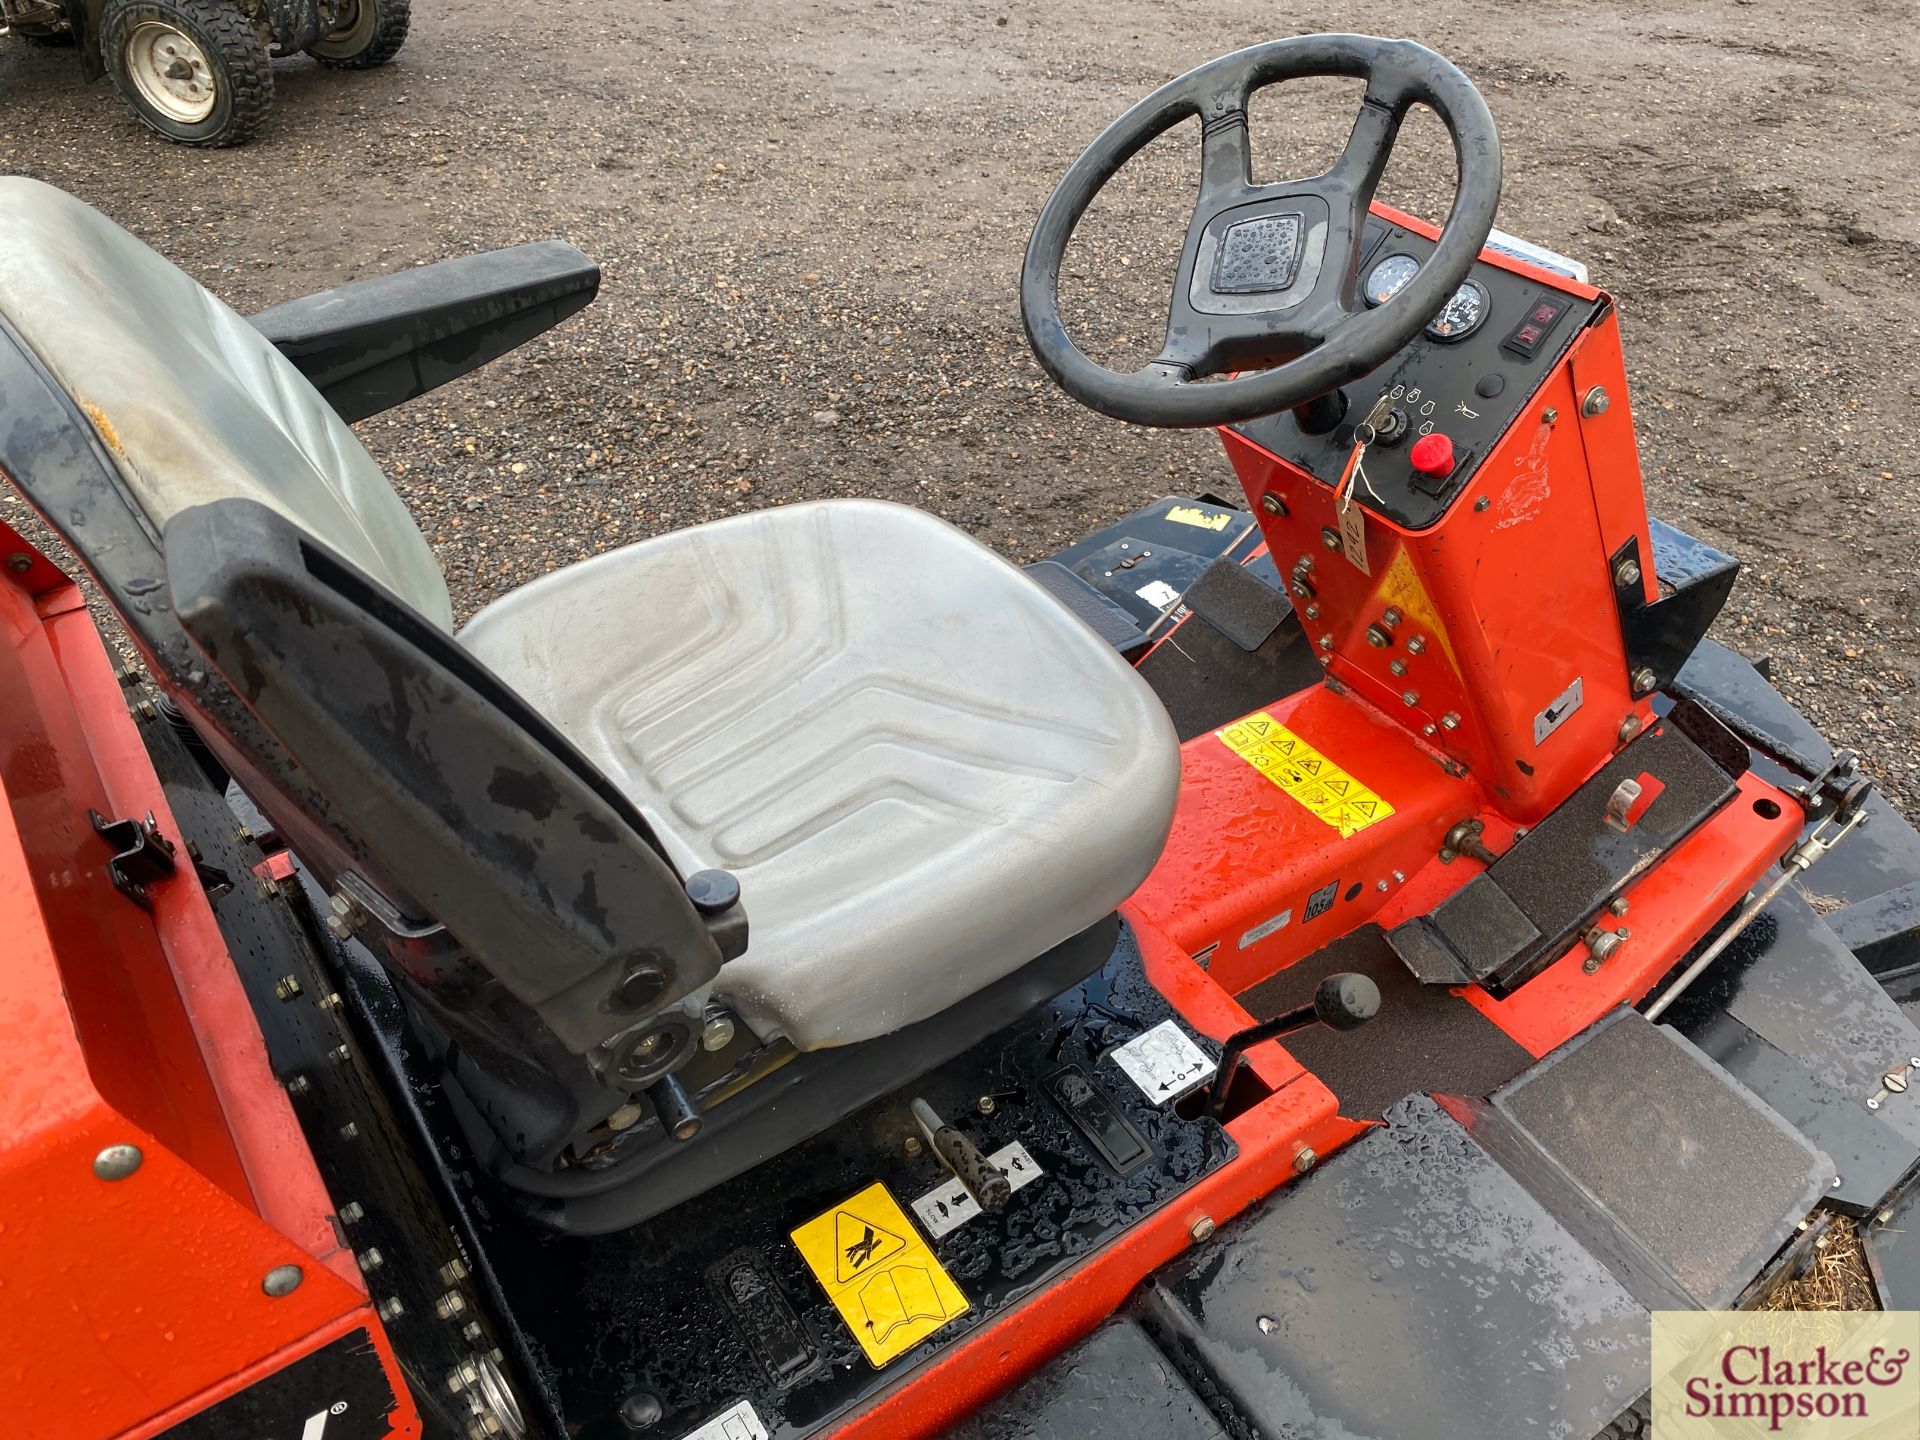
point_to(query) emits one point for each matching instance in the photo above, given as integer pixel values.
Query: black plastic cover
(370, 345)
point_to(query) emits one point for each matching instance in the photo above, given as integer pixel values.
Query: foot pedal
(1657, 1160)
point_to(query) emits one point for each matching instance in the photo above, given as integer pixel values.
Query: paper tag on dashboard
(1353, 535)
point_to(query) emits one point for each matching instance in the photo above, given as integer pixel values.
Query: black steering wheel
(1268, 274)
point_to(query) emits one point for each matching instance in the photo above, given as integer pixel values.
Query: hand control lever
(985, 1181)
(1344, 1001)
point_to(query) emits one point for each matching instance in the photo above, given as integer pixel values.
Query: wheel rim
(350, 36)
(171, 72)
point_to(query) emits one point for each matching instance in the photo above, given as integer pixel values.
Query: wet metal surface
(1113, 1385)
(1790, 981)
(1869, 1157)
(1409, 1287)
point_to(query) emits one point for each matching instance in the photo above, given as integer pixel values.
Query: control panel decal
(1325, 790)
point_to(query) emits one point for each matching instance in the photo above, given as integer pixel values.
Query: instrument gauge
(1465, 313)
(1386, 278)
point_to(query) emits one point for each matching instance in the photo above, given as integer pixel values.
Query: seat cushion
(189, 402)
(924, 771)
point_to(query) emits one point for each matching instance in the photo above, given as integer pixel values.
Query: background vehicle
(200, 71)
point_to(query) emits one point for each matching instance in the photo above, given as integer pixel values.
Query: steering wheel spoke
(1226, 162)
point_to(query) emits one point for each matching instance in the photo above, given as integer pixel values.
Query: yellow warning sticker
(1326, 790)
(1402, 589)
(1203, 519)
(879, 1273)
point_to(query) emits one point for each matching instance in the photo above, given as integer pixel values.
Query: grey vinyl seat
(923, 770)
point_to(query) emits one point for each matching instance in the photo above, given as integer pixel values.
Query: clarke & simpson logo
(1751, 1382)
(1796, 1375)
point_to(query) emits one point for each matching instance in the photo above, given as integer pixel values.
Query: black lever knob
(1346, 1001)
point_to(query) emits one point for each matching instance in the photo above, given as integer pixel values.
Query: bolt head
(1630, 727)
(1201, 1229)
(1644, 681)
(1485, 502)
(1450, 721)
(1313, 611)
(1330, 538)
(718, 1031)
(1273, 504)
(913, 1147)
(1326, 642)
(1304, 1160)
(1550, 414)
(1416, 645)
(1378, 637)
(117, 1162)
(19, 562)
(1397, 666)
(985, 1105)
(352, 1212)
(641, 1411)
(1410, 697)
(1595, 402)
(282, 1280)
(1627, 572)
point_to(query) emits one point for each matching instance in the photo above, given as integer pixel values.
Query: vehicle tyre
(371, 33)
(194, 70)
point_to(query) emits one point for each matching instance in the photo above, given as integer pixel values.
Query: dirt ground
(811, 215)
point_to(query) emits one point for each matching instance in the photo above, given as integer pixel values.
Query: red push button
(1432, 455)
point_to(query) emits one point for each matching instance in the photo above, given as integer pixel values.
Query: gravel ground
(811, 215)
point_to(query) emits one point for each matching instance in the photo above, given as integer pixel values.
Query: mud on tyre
(194, 70)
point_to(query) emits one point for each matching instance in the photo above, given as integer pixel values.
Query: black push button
(1490, 385)
(1535, 326)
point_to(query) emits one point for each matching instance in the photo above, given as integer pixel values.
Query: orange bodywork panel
(128, 1303)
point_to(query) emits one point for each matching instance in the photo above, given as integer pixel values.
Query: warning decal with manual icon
(879, 1273)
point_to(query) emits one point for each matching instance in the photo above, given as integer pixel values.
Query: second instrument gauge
(1465, 313)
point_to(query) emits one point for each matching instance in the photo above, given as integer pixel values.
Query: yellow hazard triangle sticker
(879, 1273)
(1327, 791)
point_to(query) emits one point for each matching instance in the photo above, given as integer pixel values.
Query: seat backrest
(190, 402)
(285, 601)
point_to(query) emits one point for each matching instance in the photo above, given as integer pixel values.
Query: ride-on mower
(1326, 961)
(201, 71)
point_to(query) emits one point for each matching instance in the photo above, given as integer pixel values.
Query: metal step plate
(1408, 1287)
